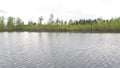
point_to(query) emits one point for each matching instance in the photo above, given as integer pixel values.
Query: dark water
(59, 50)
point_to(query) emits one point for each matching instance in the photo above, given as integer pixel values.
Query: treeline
(81, 25)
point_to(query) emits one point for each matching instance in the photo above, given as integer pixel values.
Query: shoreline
(60, 31)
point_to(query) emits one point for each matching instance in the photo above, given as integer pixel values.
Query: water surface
(59, 50)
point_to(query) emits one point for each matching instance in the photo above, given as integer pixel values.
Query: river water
(59, 50)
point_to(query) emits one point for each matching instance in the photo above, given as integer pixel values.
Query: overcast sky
(63, 9)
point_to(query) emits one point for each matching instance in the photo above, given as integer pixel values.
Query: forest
(81, 25)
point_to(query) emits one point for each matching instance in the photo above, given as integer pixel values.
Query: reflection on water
(59, 50)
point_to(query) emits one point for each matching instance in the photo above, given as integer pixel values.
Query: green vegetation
(82, 25)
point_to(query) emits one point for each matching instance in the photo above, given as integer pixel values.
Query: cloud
(2, 11)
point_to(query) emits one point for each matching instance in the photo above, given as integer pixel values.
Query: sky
(62, 9)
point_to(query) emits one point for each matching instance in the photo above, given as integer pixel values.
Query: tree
(10, 23)
(19, 24)
(2, 24)
(100, 20)
(65, 22)
(51, 19)
(31, 25)
(40, 20)
(57, 21)
(71, 22)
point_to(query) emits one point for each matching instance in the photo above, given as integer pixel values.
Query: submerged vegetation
(82, 25)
